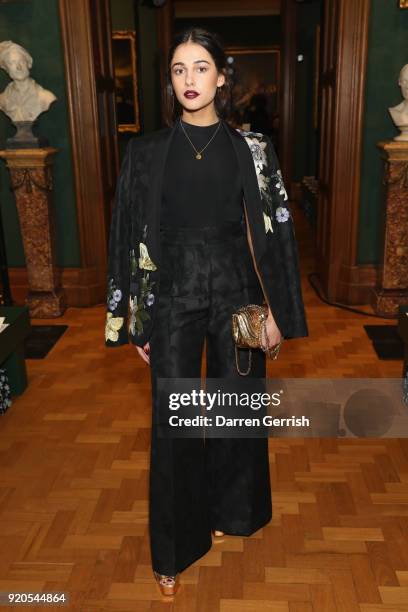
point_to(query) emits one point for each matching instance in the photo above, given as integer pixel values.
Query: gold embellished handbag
(247, 326)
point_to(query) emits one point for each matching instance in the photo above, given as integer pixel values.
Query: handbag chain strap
(261, 327)
(249, 362)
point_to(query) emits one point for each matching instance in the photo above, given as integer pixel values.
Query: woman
(201, 226)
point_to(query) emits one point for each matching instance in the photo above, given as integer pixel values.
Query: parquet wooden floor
(74, 475)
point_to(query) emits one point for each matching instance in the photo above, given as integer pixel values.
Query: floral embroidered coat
(133, 281)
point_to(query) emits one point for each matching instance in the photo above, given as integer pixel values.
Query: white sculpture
(23, 100)
(399, 113)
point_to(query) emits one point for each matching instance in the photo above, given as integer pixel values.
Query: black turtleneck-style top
(201, 192)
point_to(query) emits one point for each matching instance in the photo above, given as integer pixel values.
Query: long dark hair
(212, 43)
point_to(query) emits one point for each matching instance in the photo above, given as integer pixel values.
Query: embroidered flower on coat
(5, 391)
(268, 223)
(263, 182)
(114, 295)
(132, 314)
(138, 304)
(245, 133)
(258, 153)
(282, 214)
(275, 180)
(145, 263)
(137, 309)
(280, 185)
(112, 327)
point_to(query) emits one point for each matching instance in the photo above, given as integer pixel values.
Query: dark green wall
(35, 26)
(306, 139)
(133, 15)
(149, 71)
(387, 53)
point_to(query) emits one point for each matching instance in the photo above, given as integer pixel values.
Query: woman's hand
(273, 333)
(144, 352)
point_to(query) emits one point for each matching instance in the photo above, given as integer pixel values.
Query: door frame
(347, 282)
(88, 282)
(340, 276)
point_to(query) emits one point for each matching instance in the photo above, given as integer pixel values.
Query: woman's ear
(221, 79)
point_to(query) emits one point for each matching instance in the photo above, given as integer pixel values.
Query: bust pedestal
(392, 288)
(31, 182)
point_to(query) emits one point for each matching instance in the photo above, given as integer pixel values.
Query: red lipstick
(191, 94)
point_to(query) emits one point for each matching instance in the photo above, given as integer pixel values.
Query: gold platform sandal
(168, 584)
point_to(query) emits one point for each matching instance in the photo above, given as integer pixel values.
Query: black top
(201, 192)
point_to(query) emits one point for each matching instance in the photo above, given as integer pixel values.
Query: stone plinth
(392, 287)
(31, 182)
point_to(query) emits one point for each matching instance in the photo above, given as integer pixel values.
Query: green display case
(12, 346)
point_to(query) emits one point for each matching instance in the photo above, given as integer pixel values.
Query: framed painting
(255, 74)
(125, 71)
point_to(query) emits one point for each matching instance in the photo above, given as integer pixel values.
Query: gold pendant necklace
(198, 153)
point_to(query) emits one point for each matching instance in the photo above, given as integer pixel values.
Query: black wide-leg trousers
(198, 484)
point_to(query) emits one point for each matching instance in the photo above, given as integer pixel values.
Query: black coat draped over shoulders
(133, 275)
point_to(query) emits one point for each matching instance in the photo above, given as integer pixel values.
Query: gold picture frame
(403, 4)
(125, 73)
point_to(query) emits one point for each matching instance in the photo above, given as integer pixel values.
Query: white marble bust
(23, 99)
(399, 113)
